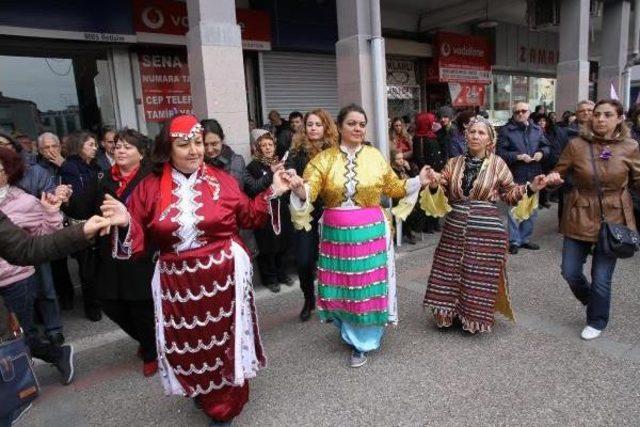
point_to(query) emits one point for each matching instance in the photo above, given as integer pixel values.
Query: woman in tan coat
(617, 161)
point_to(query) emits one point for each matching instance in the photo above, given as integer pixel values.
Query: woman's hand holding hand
(114, 211)
(281, 183)
(297, 184)
(554, 178)
(50, 203)
(96, 224)
(63, 192)
(429, 177)
(539, 182)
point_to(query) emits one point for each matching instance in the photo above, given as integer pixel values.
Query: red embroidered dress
(206, 325)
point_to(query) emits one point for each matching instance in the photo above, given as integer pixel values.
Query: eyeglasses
(520, 111)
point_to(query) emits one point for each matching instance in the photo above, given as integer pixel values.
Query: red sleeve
(132, 242)
(253, 213)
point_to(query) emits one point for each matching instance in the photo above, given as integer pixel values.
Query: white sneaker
(589, 333)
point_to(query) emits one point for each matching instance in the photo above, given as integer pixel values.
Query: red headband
(184, 127)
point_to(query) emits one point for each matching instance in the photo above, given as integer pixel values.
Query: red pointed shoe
(149, 369)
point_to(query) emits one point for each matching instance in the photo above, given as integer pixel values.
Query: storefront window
(403, 101)
(507, 90)
(59, 95)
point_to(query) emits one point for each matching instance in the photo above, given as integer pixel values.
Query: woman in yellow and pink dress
(356, 273)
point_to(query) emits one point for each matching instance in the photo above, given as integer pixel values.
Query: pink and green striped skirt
(352, 267)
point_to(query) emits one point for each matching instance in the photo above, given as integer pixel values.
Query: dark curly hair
(13, 165)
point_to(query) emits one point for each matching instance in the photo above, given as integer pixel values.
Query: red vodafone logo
(152, 18)
(445, 49)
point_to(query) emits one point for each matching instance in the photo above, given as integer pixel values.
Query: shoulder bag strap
(596, 182)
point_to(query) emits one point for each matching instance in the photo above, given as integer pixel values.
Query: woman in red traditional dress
(207, 333)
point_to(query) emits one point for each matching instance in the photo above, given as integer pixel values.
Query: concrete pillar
(354, 60)
(214, 45)
(573, 64)
(123, 90)
(613, 48)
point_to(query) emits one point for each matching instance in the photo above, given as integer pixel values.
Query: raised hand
(50, 203)
(54, 158)
(96, 224)
(554, 178)
(114, 211)
(277, 167)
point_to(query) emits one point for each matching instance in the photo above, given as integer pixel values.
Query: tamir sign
(166, 86)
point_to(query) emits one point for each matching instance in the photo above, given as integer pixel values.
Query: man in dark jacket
(522, 145)
(447, 133)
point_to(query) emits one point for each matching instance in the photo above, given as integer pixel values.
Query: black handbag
(18, 383)
(614, 240)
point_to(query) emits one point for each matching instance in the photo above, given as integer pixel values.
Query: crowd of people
(177, 225)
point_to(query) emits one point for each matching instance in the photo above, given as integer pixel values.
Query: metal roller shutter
(299, 81)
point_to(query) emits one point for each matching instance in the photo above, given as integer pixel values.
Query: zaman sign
(461, 58)
(169, 18)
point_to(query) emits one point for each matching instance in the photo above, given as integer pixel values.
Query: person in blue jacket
(523, 146)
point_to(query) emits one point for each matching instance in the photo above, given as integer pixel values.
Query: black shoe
(197, 403)
(93, 314)
(305, 314)
(286, 280)
(513, 249)
(273, 287)
(56, 339)
(530, 246)
(65, 364)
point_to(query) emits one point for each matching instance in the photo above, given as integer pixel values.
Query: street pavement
(534, 372)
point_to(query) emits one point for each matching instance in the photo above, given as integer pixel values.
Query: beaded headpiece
(184, 127)
(490, 129)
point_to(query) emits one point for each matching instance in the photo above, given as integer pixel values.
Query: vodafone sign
(461, 58)
(160, 21)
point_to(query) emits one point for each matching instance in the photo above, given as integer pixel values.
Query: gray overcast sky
(31, 79)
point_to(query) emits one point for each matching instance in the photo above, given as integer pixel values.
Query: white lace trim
(187, 219)
(212, 386)
(193, 370)
(201, 345)
(183, 323)
(167, 268)
(188, 296)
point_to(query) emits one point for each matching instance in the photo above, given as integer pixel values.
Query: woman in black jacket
(81, 172)
(272, 246)
(320, 133)
(124, 286)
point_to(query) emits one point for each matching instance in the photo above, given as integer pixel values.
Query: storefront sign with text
(169, 18)
(461, 58)
(166, 87)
